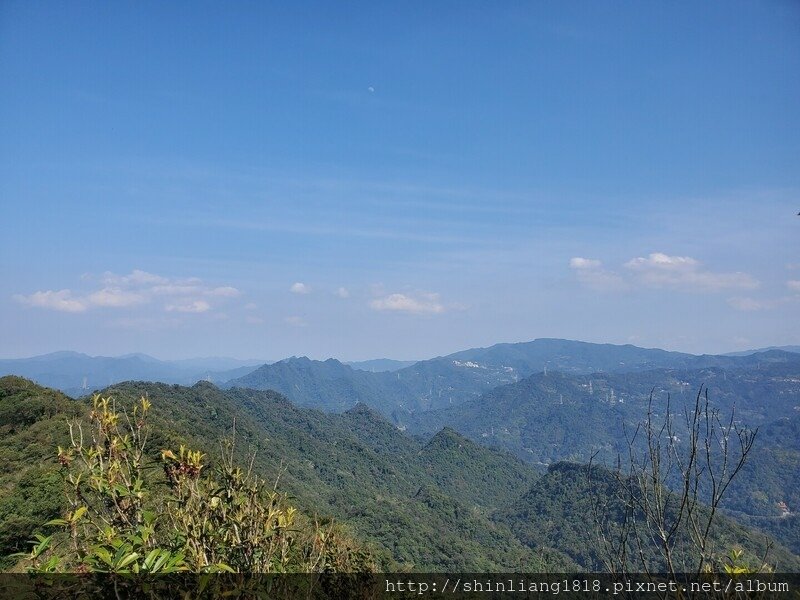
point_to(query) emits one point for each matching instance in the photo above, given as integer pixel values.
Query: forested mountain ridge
(32, 424)
(443, 503)
(355, 467)
(397, 388)
(377, 365)
(572, 356)
(557, 512)
(457, 378)
(761, 394)
(794, 349)
(329, 385)
(334, 386)
(554, 417)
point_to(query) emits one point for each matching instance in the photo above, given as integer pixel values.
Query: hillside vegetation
(438, 503)
(354, 467)
(449, 381)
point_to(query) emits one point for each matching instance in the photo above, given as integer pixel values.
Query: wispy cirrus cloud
(749, 304)
(660, 271)
(181, 295)
(590, 273)
(115, 297)
(61, 300)
(135, 278)
(421, 303)
(190, 306)
(296, 321)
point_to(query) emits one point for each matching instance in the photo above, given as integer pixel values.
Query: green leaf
(122, 490)
(127, 560)
(150, 559)
(162, 560)
(44, 544)
(103, 555)
(78, 514)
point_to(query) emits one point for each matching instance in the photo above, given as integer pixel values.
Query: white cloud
(300, 288)
(662, 261)
(251, 320)
(584, 263)
(178, 288)
(422, 304)
(591, 274)
(660, 270)
(187, 295)
(115, 297)
(137, 277)
(195, 306)
(753, 304)
(296, 321)
(250, 306)
(146, 323)
(342, 292)
(748, 304)
(61, 300)
(225, 291)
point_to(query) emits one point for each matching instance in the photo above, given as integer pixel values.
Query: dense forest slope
(32, 423)
(448, 381)
(442, 502)
(354, 467)
(549, 418)
(557, 512)
(537, 417)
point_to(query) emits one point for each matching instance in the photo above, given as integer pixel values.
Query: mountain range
(426, 504)
(413, 386)
(442, 382)
(470, 461)
(76, 373)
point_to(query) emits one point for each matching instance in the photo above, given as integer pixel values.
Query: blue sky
(397, 179)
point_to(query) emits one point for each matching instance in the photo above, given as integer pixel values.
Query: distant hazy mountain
(215, 363)
(382, 383)
(329, 384)
(568, 356)
(333, 386)
(457, 378)
(220, 377)
(77, 373)
(558, 416)
(793, 349)
(380, 364)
